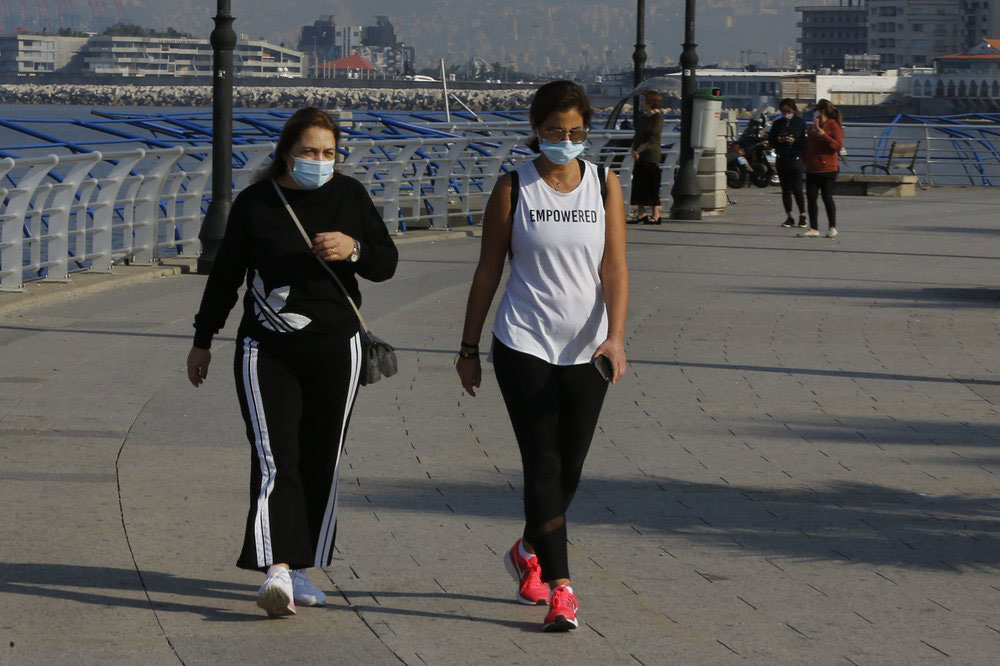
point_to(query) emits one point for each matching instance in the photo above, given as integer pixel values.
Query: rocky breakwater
(411, 99)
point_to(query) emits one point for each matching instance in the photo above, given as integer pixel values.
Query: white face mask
(789, 116)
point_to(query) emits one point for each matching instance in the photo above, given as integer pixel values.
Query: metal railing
(949, 154)
(92, 210)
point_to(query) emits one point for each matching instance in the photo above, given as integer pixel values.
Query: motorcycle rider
(788, 137)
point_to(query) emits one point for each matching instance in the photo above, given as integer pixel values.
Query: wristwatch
(356, 253)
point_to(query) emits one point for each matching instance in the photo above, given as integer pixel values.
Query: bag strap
(602, 177)
(326, 267)
(515, 188)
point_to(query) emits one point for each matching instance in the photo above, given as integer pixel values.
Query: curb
(39, 294)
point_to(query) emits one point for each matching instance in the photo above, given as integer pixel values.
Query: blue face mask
(562, 152)
(311, 174)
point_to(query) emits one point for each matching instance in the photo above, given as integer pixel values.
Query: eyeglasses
(556, 135)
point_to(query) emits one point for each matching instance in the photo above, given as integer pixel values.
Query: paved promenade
(802, 466)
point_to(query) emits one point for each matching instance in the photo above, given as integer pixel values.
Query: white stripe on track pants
(296, 398)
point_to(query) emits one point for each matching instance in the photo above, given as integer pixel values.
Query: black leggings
(296, 398)
(816, 183)
(791, 186)
(554, 411)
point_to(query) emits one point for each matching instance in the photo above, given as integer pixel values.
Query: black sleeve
(798, 132)
(378, 253)
(772, 136)
(228, 273)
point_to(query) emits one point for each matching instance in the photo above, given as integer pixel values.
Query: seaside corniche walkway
(802, 465)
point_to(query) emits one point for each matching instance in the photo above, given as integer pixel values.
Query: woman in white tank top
(559, 333)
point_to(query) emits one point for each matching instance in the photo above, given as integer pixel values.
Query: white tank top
(553, 305)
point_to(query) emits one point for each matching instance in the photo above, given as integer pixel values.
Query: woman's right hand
(197, 365)
(470, 371)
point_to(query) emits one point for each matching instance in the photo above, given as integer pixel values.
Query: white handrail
(66, 213)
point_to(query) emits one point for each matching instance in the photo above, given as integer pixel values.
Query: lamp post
(686, 192)
(213, 228)
(639, 56)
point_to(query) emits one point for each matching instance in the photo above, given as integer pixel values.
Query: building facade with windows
(829, 32)
(970, 80)
(105, 55)
(911, 33)
(28, 55)
(980, 19)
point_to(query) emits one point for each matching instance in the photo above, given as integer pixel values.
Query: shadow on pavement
(855, 522)
(819, 245)
(96, 585)
(974, 297)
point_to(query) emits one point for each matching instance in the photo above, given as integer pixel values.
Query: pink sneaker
(562, 610)
(528, 574)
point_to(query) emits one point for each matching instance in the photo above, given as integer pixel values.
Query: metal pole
(686, 192)
(639, 57)
(444, 89)
(214, 226)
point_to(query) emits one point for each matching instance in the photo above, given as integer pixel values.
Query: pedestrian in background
(788, 136)
(559, 332)
(647, 154)
(298, 359)
(824, 139)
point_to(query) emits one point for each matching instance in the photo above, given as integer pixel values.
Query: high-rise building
(380, 34)
(319, 41)
(911, 33)
(829, 32)
(980, 19)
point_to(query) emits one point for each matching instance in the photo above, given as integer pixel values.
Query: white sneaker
(812, 233)
(832, 233)
(304, 592)
(275, 595)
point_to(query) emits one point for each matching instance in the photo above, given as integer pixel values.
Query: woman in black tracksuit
(298, 354)
(788, 136)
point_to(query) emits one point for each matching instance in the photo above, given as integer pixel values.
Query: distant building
(911, 33)
(164, 56)
(980, 19)
(348, 41)
(324, 42)
(969, 81)
(28, 55)
(381, 34)
(829, 32)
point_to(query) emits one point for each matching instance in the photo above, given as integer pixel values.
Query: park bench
(899, 153)
(886, 184)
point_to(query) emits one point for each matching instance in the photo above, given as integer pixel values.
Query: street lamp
(638, 57)
(213, 228)
(686, 192)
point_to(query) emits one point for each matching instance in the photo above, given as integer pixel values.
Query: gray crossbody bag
(378, 357)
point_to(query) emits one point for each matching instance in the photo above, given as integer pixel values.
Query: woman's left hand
(333, 246)
(614, 351)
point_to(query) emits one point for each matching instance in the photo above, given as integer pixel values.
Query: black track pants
(791, 187)
(296, 399)
(554, 411)
(816, 184)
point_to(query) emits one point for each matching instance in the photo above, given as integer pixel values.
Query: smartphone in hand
(603, 366)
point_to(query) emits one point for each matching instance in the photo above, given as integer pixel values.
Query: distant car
(422, 77)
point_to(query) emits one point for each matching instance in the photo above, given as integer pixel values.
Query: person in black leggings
(788, 136)
(824, 139)
(559, 331)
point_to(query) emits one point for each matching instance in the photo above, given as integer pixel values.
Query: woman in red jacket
(824, 139)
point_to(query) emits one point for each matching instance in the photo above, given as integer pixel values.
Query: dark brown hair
(654, 99)
(827, 107)
(300, 121)
(555, 97)
(789, 102)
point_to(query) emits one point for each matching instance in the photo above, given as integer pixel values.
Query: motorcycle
(750, 158)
